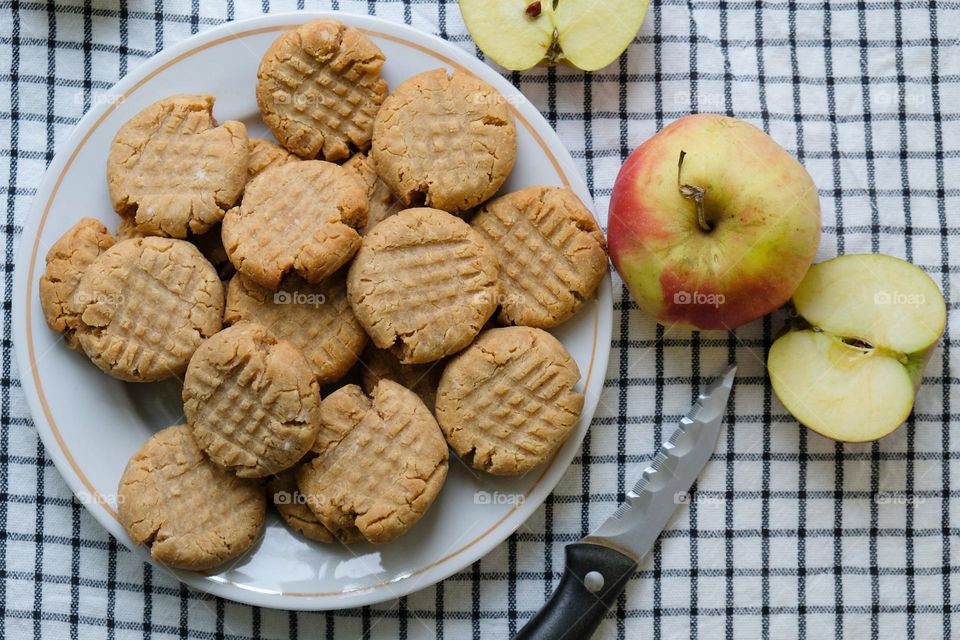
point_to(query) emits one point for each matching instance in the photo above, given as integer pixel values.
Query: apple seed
(533, 9)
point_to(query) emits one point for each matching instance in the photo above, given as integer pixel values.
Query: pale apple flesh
(888, 301)
(762, 215)
(503, 30)
(589, 34)
(838, 390)
(852, 364)
(593, 33)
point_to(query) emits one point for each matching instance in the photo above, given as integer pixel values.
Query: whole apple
(712, 224)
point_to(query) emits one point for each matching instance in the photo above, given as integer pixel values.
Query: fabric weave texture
(787, 535)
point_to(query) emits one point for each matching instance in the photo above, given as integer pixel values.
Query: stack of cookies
(361, 244)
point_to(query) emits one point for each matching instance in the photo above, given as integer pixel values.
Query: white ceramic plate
(91, 424)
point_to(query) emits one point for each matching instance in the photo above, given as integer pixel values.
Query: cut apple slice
(877, 299)
(838, 390)
(505, 31)
(852, 362)
(593, 33)
(519, 34)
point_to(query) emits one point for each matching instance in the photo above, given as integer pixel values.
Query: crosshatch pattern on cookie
(444, 141)
(551, 254)
(146, 306)
(508, 401)
(424, 294)
(194, 514)
(382, 465)
(251, 401)
(301, 216)
(439, 275)
(322, 107)
(314, 318)
(179, 174)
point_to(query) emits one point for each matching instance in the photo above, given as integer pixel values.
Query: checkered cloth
(788, 534)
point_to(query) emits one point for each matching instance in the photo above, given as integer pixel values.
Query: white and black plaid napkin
(788, 535)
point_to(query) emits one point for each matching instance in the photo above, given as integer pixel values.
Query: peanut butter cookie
(382, 203)
(173, 171)
(127, 228)
(319, 88)
(145, 305)
(292, 507)
(265, 154)
(507, 403)
(302, 217)
(315, 318)
(551, 251)
(423, 284)
(380, 466)
(252, 401)
(422, 379)
(209, 243)
(67, 259)
(192, 514)
(444, 141)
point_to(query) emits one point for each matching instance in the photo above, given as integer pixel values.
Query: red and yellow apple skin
(761, 206)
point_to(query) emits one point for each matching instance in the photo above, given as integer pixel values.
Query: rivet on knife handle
(594, 576)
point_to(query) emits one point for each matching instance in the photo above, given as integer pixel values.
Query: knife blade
(599, 566)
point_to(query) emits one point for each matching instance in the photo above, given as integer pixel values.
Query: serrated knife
(599, 566)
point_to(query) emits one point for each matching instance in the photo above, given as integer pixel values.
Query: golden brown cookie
(382, 203)
(145, 305)
(551, 252)
(127, 228)
(319, 88)
(173, 171)
(252, 401)
(67, 259)
(193, 514)
(507, 403)
(209, 243)
(265, 154)
(315, 318)
(302, 217)
(422, 379)
(381, 463)
(423, 283)
(444, 141)
(292, 506)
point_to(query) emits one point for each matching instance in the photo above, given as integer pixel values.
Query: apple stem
(693, 192)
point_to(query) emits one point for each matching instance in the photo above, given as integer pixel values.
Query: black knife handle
(594, 577)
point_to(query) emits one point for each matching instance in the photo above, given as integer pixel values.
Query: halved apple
(852, 361)
(519, 34)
